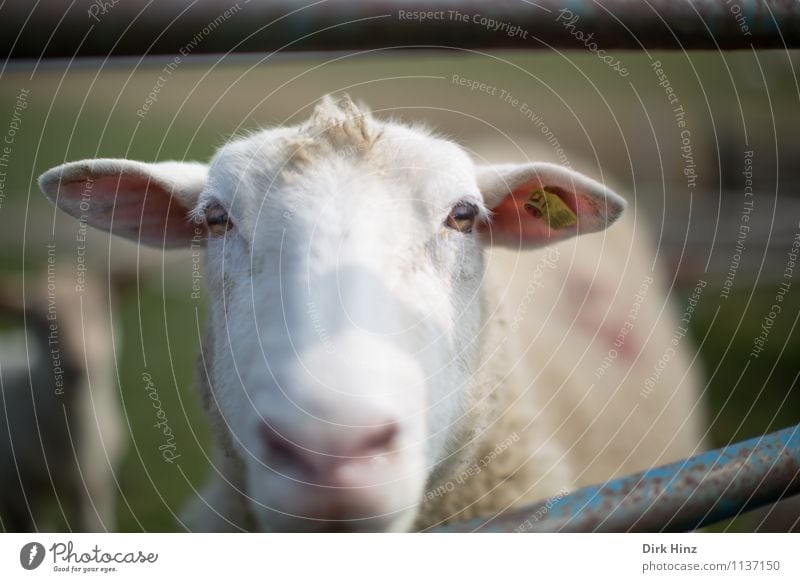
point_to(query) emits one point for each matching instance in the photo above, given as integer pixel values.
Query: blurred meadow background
(622, 129)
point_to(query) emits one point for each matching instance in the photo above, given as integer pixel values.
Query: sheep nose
(338, 460)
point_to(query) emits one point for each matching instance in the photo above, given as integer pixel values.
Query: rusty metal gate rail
(681, 496)
(94, 28)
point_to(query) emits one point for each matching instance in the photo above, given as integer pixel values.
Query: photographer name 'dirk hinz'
(671, 549)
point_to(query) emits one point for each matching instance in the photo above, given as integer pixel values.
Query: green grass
(750, 396)
(166, 348)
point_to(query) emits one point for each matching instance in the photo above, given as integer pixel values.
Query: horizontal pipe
(681, 496)
(100, 28)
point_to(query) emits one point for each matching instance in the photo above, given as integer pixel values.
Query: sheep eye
(462, 217)
(217, 220)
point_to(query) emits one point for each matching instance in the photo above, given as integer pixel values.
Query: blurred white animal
(60, 423)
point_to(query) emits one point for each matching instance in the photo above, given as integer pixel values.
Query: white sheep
(379, 354)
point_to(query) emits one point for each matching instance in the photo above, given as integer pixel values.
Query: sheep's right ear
(537, 204)
(147, 203)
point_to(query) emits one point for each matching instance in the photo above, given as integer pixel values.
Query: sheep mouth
(349, 512)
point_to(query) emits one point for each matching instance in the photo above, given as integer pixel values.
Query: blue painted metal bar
(680, 496)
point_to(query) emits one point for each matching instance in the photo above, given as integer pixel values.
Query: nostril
(379, 440)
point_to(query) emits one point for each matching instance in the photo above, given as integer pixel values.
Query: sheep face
(349, 308)
(343, 271)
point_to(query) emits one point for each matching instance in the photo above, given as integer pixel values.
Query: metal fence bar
(681, 496)
(100, 28)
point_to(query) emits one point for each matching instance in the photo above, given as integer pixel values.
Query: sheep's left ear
(144, 202)
(537, 204)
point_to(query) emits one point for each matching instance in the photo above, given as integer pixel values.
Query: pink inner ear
(141, 209)
(512, 224)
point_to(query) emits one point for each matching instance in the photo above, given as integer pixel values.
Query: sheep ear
(537, 204)
(147, 203)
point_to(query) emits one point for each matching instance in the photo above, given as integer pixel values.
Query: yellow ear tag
(552, 209)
